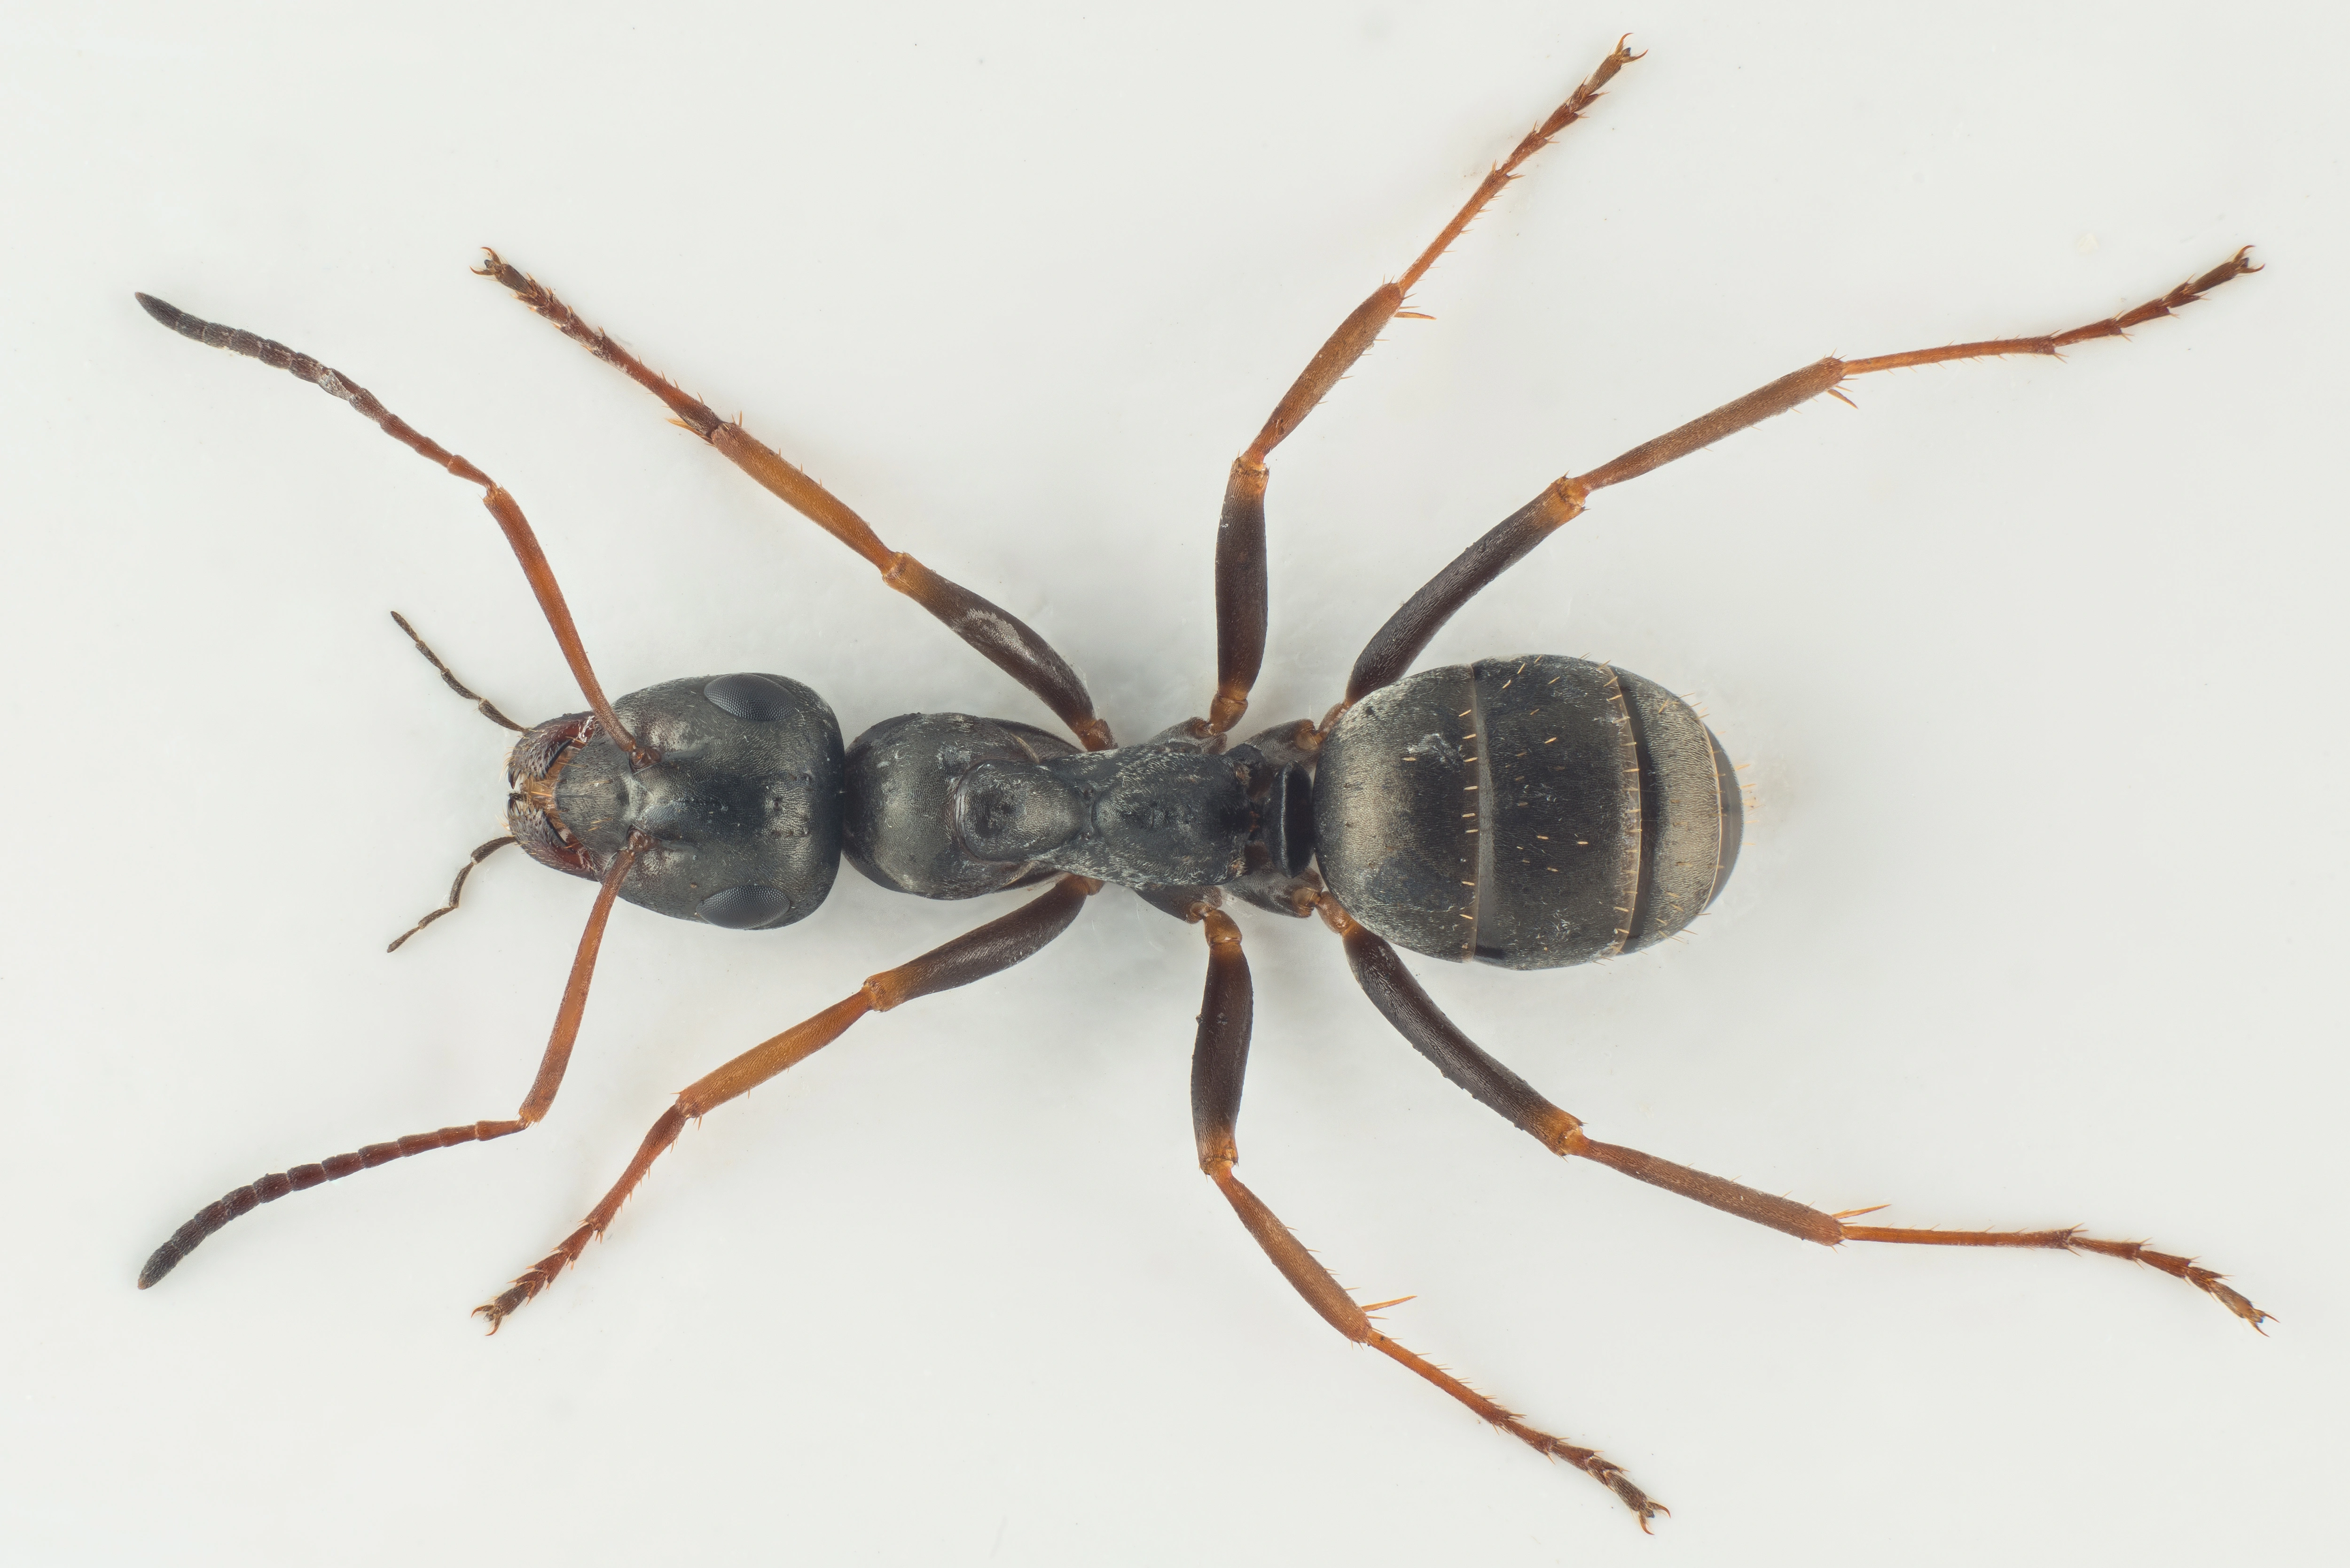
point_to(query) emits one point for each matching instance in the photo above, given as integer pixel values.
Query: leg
(976, 955)
(1240, 534)
(1396, 995)
(1007, 641)
(516, 528)
(1390, 652)
(551, 1065)
(1219, 1066)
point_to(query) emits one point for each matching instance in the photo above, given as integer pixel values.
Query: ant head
(741, 812)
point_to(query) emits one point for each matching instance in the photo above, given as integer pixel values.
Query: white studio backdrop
(2034, 666)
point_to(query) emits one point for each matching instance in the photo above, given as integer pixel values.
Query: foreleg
(976, 955)
(1003, 639)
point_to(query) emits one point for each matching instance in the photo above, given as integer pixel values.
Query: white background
(2037, 667)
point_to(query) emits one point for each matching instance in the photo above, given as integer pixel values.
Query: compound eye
(761, 699)
(749, 906)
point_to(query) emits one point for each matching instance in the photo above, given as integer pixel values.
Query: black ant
(1531, 812)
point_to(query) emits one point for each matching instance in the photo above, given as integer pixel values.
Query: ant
(1531, 812)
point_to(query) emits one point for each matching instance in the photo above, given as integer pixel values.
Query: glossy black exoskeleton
(741, 815)
(1529, 812)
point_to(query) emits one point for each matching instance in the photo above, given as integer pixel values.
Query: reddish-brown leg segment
(973, 956)
(1007, 641)
(1418, 1019)
(1219, 1069)
(511, 521)
(1392, 650)
(1240, 531)
(551, 1065)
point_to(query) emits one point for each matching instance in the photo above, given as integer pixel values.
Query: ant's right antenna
(488, 709)
(502, 507)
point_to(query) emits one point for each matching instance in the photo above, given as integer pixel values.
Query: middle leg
(1239, 531)
(1219, 1067)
